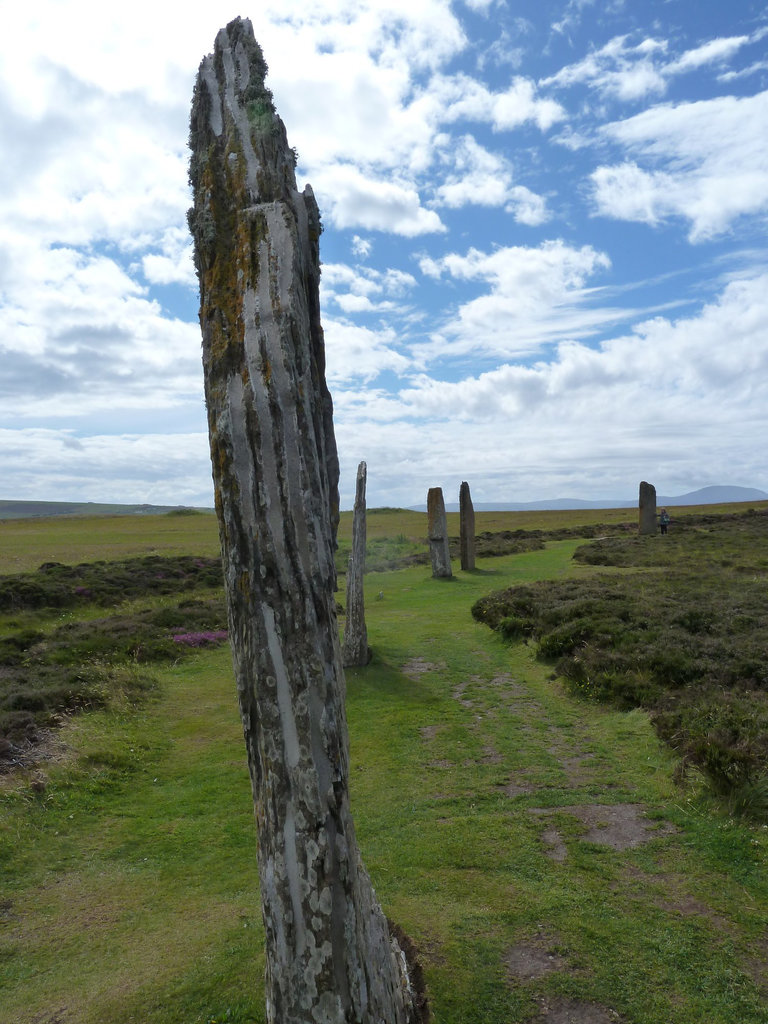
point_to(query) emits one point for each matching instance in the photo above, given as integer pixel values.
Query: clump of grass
(687, 644)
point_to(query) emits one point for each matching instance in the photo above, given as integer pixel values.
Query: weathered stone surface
(466, 528)
(647, 509)
(355, 649)
(330, 956)
(437, 532)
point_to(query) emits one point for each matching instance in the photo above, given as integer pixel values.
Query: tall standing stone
(330, 956)
(466, 528)
(355, 650)
(437, 532)
(647, 509)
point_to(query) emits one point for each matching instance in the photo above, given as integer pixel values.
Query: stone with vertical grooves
(647, 509)
(330, 956)
(437, 532)
(355, 649)
(466, 528)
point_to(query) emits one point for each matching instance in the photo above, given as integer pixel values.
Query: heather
(54, 664)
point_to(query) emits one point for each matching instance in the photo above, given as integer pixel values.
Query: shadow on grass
(386, 682)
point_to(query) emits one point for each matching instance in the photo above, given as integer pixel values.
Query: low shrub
(56, 585)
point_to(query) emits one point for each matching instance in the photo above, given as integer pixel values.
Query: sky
(544, 246)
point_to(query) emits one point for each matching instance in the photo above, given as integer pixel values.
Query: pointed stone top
(233, 108)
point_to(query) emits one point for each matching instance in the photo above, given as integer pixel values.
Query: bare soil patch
(556, 848)
(59, 1017)
(458, 694)
(758, 967)
(574, 1011)
(689, 907)
(532, 960)
(416, 667)
(512, 686)
(513, 789)
(618, 826)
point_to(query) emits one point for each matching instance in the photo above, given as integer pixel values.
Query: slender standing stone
(647, 509)
(355, 650)
(466, 527)
(330, 957)
(437, 531)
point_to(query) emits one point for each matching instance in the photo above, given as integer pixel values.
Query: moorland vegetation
(546, 852)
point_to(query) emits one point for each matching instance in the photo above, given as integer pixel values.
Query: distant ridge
(37, 509)
(715, 495)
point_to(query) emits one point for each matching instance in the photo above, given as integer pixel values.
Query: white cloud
(533, 297)
(527, 207)
(617, 69)
(707, 162)
(715, 361)
(166, 468)
(461, 97)
(712, 52)
(364, 289)
(627, 71)
(562, 424)
(627, 192)
(751, 69)
(361, 247)
(352, 199)
(80, 331)
(571, 16)
(174, 263)
(481, 178)
(356, 353)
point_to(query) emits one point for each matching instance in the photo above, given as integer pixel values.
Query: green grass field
(533, 845)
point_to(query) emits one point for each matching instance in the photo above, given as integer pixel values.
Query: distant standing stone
(355, 650)
(437, 531)
(647, 515)
(466, 527)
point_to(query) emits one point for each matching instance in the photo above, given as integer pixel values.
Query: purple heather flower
(203, 639)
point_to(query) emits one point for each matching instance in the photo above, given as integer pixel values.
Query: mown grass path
(534, 847)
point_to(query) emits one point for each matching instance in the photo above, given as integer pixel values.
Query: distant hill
(715, 496)
(37, 509)
(704, 496)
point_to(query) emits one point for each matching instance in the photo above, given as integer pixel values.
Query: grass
(26, 544)
(684, 637)
(129, 879)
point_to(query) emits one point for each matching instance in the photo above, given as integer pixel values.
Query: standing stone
(437, 532)
(466, 528)
(355, 650)
(647, 509)
(330, 956)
